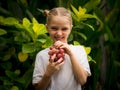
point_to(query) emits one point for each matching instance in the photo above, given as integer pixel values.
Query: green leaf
(85, 16)
(11, 74)
(28, 48)
(20, 80)
(6, 57)
(17, 72)
(9, 53)
(27, 77)
(90, 59)
(92, 4)
(82, 11)
(82, 35)
(75, 11)
(34, 21)
(81, 14)
(6, 65)
(87, 49)
(74, 17)
(3, 78)
(10, 21)
(1, 19)
(7, 83)
(70, 38)
(22, 56)
(76, 43)
(2, 31)
(21, 35)
(48, 43)
(90, 26)
(39, 28)
(117, 63)
(14, 88)
(101, 19)
(19, 26)
(41, 40)
(26, 23)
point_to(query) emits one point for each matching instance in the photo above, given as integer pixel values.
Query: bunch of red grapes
(60, 53)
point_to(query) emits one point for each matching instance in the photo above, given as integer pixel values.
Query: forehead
(59, 20)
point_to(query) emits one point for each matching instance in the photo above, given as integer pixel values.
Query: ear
(46, 26)
(72, 26)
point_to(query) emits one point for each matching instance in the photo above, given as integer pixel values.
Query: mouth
(59, 38)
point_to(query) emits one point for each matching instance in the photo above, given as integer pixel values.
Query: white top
(64, 78)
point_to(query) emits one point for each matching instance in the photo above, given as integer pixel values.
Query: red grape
(61, 50)
(58, 51)
(59, 55)
(51, 47)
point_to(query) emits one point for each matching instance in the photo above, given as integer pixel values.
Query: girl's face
(59, 28)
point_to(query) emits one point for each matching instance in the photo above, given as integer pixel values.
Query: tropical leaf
(81, 13)
(76, 43)
(17, 72)
(87, 49)
(1, 19)
(27, 77)
(34, 20)
(82, 35)
(39, 29)
(6, 66)
(26, 23)
(91, 4)
(41, 40)
(22, 56)
(14, 88)
(28, 27)
(75, 11)
(11, 51)
(11, 74)
(28, 48)
(90, 59)
(2, 31)
(88, 25)
(9, 21)
(48, 43)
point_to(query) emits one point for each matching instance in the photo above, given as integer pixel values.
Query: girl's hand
(65, 46)
(52, 66)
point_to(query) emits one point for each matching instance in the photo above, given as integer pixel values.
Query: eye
(54, 28)
(65, 28)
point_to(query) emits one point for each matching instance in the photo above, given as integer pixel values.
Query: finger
(64, 45)
(57, 44)
(52, 58)
(58, 66)
(59, 61)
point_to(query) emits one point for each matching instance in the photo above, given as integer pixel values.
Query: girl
(67, 74)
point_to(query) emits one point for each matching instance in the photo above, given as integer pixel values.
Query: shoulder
(77, 48)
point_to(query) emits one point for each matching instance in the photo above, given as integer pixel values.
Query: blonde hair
(58, 11)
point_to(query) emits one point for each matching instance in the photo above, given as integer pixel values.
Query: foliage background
(20, 40)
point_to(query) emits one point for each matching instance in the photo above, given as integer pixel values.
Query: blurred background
(96, 26)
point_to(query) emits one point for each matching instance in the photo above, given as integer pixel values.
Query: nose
(59, 33)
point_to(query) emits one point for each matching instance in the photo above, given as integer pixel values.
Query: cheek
(68, 33)
(51, 34)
